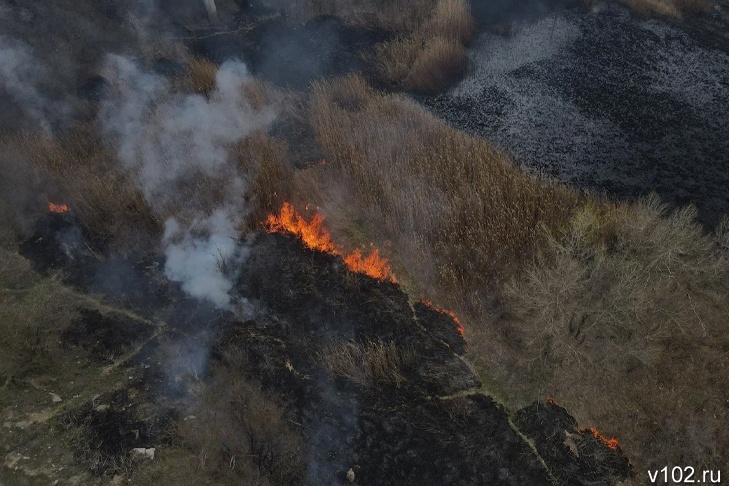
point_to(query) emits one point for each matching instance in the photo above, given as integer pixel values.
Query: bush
(432, 57)
(237, 435)
(622, 319)
(201, 76)
(34, 312)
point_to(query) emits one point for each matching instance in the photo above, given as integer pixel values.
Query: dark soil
(107, 429)
(416, 433)
(106, 337)
(606, 100)
(551, 428)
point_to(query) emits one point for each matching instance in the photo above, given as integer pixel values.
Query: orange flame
(315, 236)
(611, 443)
(447, 312)
(552, 401)
(57, 208)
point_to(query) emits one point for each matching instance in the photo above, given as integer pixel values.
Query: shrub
(34, 312)
(237, 435)
(621, 318)
(438, 66)
(432, 57)
(201, 76)
(452, 19)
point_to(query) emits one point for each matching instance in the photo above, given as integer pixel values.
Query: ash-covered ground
(605, 100)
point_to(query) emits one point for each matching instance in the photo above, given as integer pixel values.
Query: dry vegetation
(200, 76)
(428, 53)
(620, 314)
(673, 8)
(622, 319)
(84, 173)
(368, 364)
(403, 15)
(34, 311)
(431, 57)
(462, 214)
(237, 435)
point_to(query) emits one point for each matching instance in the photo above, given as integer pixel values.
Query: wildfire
(611, 443)
(447, 312)
(552, 401)
(57, 208)
(315, 236)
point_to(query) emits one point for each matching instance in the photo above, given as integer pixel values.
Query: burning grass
(315, 236)
(617, 311)
(84, 171)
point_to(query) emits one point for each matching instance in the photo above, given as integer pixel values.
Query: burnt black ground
(606, 100)
(433, 427)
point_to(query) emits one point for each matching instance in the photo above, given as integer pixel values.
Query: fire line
(447, 312)
(57, 208)
(316, 237)
(611, 443)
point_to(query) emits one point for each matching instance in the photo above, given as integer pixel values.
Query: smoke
(203, 263)
(20, 74)
(171, 141)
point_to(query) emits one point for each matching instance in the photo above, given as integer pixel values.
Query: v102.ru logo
(684, 475)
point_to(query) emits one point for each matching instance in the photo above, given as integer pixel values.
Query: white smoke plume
(199, 256)
(168, 139)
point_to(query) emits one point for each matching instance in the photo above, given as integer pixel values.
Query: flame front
(451, 314)
(315, 236)
(611, 443)
(57, 208)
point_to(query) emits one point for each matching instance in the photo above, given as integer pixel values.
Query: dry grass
(82, 171)
(619, 312)
(432, 57)
(266, 164)
(672, 8)
(200, 77)
(452, 19)
(236, 436)
(368, 364)
(400, 16)
(458, 213)
(427, 56)
(622, 319)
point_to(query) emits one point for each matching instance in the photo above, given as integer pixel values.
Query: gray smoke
(168, 139)
(20, 75)
(202, 255)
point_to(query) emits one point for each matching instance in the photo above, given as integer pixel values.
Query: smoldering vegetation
(166, 321)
